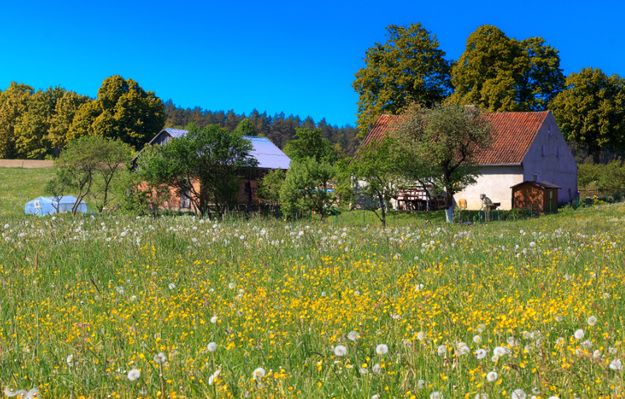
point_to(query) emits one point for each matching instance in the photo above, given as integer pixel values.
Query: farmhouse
(267, 154)
(525, 147)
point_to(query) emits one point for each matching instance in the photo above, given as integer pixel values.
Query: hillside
(19, 185)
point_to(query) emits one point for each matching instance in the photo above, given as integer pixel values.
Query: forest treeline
(280, 128)
(38, 124)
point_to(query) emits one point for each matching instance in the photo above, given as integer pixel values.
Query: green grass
(18, 186)
(85, 300)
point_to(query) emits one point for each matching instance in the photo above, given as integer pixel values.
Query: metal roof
(176, 133)
(266, 153)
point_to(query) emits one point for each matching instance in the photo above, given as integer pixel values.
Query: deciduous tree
(499, 73)
(64, 110)
(246, 128)
(445, 139)
(122, 110)
(408, 68)
(13, 104)
(210, 155)
(306, 188)
(87, 167)
(310, 143)
(33, 125)
(591, 111)
(378, 168)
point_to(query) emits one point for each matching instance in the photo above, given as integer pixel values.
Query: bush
(606, 181)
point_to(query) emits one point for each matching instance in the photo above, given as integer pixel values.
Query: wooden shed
(537, 196)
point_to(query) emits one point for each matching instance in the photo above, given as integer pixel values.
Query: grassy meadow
(120, 307)
(18, 185)
(114, 306)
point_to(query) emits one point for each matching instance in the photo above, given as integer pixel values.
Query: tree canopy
(591, 111)
(379, 169)
(13, 104)
(87, 167)
(499, 73)
(210, 156)
(305, 189)
(445, 140)
(408, 68)
(310, 143)
(122, 110)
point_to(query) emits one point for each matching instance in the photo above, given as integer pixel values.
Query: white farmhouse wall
(495, 182)
(549, 159)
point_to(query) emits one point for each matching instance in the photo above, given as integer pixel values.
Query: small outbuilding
(537, 196)
(50, 205)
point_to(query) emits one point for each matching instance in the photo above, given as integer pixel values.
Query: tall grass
(84, 301)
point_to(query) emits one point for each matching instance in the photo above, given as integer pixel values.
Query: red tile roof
(512, 134)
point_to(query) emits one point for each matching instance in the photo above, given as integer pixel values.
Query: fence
(26, 163)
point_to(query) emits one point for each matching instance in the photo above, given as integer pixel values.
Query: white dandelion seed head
(259, 373)
(214, 319)
(377, 369)
(172, 286)
(492, 376)
(436, 395)
(477, 340)
(500, 351)
(441, 350)
(381, 349)
(462, 349)
(592, 320)
(481, 396)
(340, 350)
(160, 358)
(480, 354)
(616, 365)
(212, 346)
(579, 334)
(134, 374)
(518, 394)
(353, 336)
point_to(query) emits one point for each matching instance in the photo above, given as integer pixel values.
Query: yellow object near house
(462, 203)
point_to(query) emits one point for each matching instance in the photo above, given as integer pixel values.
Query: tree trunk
(382, 210)
(449, 205)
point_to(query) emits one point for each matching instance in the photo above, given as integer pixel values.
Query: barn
(525, 147)
(267, 154)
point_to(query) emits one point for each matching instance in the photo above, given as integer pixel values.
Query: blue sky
(295, 57)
